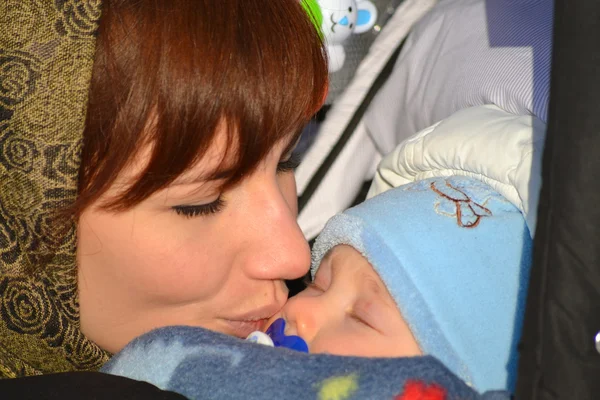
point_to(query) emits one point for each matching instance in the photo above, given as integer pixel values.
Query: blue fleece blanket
(202, 364)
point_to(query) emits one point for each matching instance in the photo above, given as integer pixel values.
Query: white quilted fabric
(502, 149)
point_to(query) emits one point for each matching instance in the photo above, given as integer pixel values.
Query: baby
(437, 267)
(424, 282)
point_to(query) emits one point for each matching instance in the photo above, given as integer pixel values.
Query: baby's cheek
(328, 345)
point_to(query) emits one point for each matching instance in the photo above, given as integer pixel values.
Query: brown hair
(188, 66)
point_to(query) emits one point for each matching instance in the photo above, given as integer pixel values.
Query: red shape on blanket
(415, 390)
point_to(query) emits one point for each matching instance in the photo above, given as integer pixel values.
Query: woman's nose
(276, 247)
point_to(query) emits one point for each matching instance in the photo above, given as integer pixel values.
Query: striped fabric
(467, 53)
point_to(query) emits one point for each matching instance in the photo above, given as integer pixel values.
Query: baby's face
(347, 310)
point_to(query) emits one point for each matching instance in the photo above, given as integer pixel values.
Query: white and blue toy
(341, 18)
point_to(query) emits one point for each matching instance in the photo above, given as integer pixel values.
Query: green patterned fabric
(46, 57)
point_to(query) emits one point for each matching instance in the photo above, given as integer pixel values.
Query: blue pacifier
(275, 336)
(275, 332)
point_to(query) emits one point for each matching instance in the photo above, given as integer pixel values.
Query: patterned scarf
(46, 57)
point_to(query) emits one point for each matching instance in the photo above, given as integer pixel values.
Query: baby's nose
(302, 316)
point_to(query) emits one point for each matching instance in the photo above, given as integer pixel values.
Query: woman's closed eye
(190, 211)
(289, 165)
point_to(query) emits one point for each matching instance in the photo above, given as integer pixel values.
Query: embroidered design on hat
(468, 212)
(463, 198)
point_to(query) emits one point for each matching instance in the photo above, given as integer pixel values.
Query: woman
(168, 199)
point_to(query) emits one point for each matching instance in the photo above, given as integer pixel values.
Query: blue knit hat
(455, 256)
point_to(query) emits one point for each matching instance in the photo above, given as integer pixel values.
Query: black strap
(316, 179)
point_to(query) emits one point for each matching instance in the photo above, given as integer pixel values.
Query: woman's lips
(243, 324)
(242, 328)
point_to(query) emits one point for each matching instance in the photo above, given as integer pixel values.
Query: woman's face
(191, 255)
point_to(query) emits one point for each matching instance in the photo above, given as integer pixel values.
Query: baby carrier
(560, 344)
